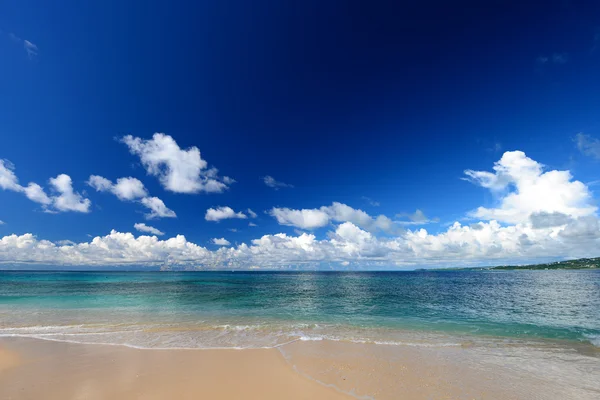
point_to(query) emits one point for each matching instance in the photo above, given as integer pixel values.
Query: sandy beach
(42, 369)
(36, 369)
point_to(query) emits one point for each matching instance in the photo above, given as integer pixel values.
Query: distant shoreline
(577, 264)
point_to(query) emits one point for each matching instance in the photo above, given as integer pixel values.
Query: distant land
(580, 263)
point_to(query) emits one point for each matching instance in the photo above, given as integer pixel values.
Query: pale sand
(54, 370)
(38, 369)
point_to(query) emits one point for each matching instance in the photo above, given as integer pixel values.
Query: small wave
(593, 339)
(310, 339)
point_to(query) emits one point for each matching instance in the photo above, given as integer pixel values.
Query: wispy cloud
(275, 184)
(371, 201)
(554, 58)
(588, 145)
(30, 48)
(416, 218)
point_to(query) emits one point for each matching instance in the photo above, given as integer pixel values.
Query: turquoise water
(266, 309)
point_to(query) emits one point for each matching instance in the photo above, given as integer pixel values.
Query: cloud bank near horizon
(539, 214)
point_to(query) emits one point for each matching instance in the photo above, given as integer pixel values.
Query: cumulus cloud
(34, 192)
(157, 208)
(221, 242)
(541, 215)
(220, 213)
(132, 189)
(275, 184)
(113, 249)
(178, 170)
(548, 220)
(582, 229)
(147, 229)
(8, 179)
(460, 245)
(304, 219)
(588, 145)
(2, 222)
(129, 189)
(336, 212)
(251, 213)
(67, 199)
(64, 198)
(525, 189)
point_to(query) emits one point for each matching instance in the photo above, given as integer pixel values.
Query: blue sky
(380, 108)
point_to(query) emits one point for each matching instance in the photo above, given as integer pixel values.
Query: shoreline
(322, 369)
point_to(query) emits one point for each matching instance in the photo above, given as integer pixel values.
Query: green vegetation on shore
(581, 263)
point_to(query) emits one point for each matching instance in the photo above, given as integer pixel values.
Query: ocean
(268, 309)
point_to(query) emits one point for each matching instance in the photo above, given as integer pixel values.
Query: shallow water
(249, 309)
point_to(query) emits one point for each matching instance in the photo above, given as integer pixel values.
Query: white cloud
(132, 189)
(221, 213)
(125, 189)
(8, 179)
(527, 189)
(304, 219)
(543, 229)
(148, 229)
(157, 208)
(336, 212)
(65, 200)
(180, 171)
(221, 242)
(100, 183)
(68, 200)
(251, 213)
(129, 189)
(252, 224)
(588, 145)
(488, 244)
(34, 192)
(113, 249)
(271, 182)
(2, 222)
